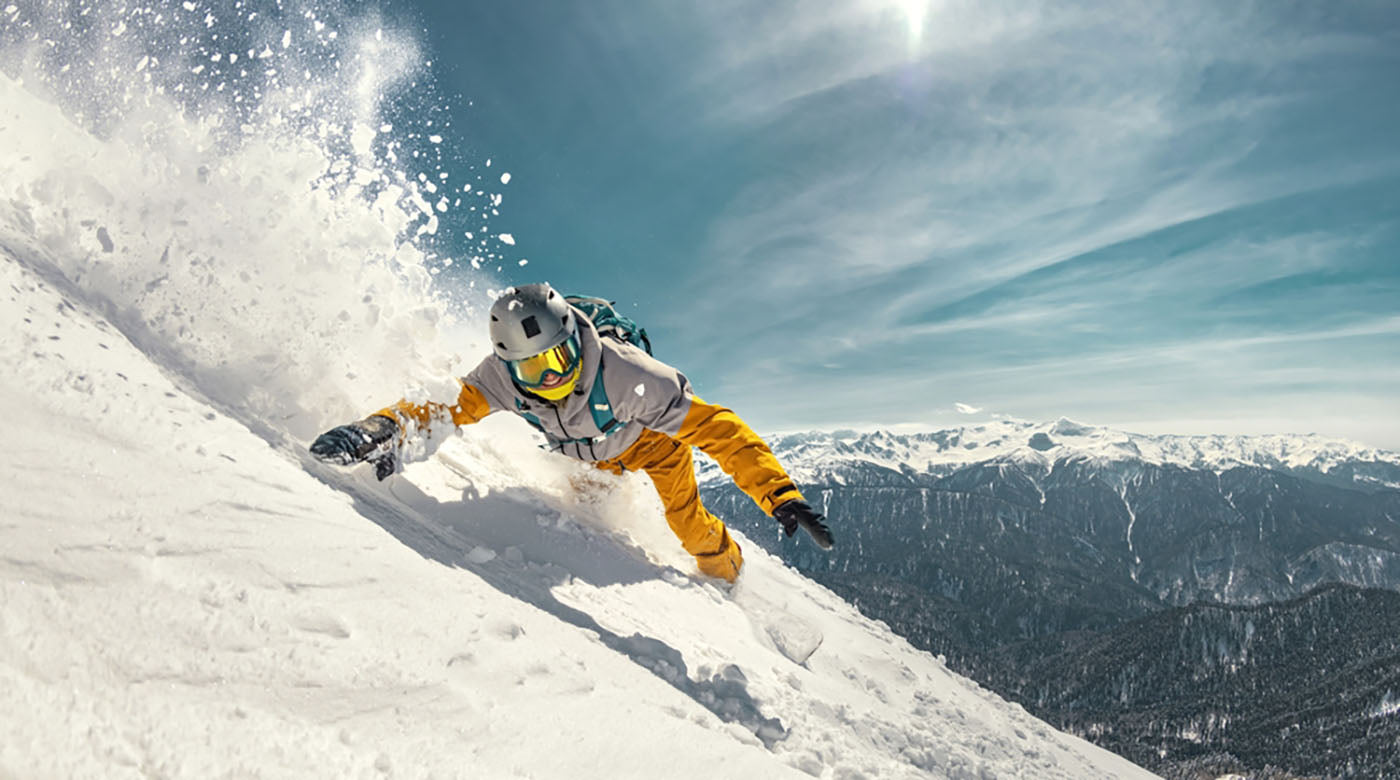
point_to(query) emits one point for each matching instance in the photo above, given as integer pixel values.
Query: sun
(914, 11)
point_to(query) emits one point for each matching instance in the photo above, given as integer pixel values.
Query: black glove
(346, 444)
(794, 513)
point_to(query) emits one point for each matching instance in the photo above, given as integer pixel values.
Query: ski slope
(184, 593)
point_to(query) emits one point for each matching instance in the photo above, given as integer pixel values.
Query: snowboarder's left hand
(794, 513)
(357, 441)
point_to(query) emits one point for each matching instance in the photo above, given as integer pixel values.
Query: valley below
(1200, 606)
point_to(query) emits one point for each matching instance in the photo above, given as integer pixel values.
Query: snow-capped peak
(810, 454)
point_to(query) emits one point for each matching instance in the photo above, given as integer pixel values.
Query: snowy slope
(180, 598)
(192, 288)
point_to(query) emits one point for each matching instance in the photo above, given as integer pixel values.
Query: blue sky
(1178, 217)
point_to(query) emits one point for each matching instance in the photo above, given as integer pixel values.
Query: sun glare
(915, 11)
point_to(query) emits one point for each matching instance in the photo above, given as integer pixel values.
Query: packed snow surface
(193, 287)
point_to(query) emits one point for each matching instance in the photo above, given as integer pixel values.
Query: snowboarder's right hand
(346, 444)
(794, 513)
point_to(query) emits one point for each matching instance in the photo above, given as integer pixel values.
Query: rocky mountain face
(977, 541)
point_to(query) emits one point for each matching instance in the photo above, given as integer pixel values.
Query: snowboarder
(606, 401)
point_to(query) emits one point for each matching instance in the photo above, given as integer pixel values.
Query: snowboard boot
(724, 564)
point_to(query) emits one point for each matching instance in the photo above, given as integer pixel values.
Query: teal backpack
(608, 323)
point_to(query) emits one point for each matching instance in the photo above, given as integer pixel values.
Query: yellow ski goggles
(534, 370)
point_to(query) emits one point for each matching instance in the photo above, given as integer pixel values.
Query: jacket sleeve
(471, 407)
(719, 433)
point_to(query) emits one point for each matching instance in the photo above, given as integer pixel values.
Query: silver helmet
(528, 320)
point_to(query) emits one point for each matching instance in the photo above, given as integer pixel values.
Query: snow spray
(252, 191)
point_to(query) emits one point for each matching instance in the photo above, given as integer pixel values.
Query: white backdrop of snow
(184, 593)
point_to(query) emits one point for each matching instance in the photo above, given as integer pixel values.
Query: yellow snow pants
(672, 469)
(716, 430)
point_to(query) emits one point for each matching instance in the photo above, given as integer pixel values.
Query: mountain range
(992, 544)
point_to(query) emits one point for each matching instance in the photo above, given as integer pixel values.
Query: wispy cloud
(1029, 189)
(857, 212)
